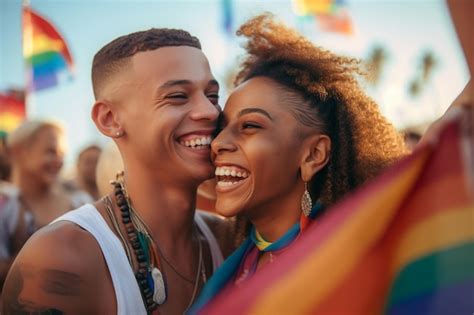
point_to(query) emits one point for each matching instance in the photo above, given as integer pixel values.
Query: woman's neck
(277, 217)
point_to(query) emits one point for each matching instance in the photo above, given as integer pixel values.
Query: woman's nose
(224, 142)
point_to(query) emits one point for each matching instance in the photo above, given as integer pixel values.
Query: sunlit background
(416, 63)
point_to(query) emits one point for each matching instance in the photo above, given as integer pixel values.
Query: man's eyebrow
(171, 83)
(174, 83)
(254, 110)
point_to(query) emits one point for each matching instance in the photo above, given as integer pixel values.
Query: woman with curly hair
(297, 130)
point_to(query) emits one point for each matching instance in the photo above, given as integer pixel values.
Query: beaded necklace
(151, 280)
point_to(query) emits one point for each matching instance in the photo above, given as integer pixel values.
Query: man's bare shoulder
(59, 268)
(223, 229)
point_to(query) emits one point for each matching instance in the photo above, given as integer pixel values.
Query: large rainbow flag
(12, 113)
(403, 244)
(45, 51)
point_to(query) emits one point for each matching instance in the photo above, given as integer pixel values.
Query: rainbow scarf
(402, 244)
(228, 269)
(45, 51)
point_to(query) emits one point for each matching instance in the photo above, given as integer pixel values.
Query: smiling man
(142, 248)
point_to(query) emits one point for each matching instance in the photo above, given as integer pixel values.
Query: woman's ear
(316, 152)
(106, 119)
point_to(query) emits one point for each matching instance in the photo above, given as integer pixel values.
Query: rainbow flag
(331, 15)
(311, 7)
(228, 16)
(12, 113)
(45, 51)
(337, 23)
(403, 244)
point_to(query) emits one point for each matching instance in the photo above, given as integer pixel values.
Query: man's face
(168, 108)
(43, 158)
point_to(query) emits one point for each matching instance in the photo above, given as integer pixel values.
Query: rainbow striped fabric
(403, 244)
(12, 113)
(45, 51)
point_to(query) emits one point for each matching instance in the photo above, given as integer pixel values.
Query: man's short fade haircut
(116, 54)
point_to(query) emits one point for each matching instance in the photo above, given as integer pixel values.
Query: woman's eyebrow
(254, 110)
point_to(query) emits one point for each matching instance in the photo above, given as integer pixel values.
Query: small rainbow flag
(311, 7)
(228, 16)
(331, 15)
(12, 113)
(403, 244)
(45, 51)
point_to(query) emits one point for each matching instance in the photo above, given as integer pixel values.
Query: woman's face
(43, 157)
(257, 154)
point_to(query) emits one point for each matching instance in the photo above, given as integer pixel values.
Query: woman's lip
(224, 189)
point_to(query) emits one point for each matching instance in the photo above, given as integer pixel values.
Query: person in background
(86, 166)
(36, 149)
(12, 232)
(108, 165)
(31, 194)
(5, 168)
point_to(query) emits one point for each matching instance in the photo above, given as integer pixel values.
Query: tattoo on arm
(27, 288)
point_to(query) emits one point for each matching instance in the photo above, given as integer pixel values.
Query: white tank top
(127, 292)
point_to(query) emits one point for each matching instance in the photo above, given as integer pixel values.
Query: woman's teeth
(228, 176)
(231, 171)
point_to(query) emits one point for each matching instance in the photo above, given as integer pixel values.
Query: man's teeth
(231, 171)
(204, 141)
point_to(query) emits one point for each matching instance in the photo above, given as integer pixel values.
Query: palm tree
(428, 63)
(424, 72)
(375, 63)
(414, 88)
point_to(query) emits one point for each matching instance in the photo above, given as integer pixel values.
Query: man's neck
(168, 210)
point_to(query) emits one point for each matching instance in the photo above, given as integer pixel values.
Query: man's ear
(316, 152)
(106, 119)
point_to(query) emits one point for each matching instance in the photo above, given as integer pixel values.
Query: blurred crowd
(33, 191)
